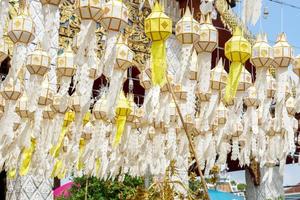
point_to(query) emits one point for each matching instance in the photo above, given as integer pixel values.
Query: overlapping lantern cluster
(46, 131)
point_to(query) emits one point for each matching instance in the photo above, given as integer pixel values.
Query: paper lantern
(173, 112)
(158, 27)
(3, 50)
(22, 107)
(238, 51)
(94, 71)
(11, 90)
(193, 72)
(250, 99)
(222, 114)
(262, 52)
(48, 113)
(203, 96)
(218, 77)
(75, 103)
(51, 2)
(38, 62)
(99, 110)
(60, 104)
(238, 129)
(245, 80)
(296, 65)
(187, 29)
(65, 63)
(180, 93)
(290, 106)
(88, 130)
(21, 28)
(124, 55)
(46, 96)
(145, 79)
(271, 132)
(208, 40)
(88, 9)
(115, 15)
(283, 52)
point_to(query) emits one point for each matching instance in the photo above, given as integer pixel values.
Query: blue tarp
(217, 195)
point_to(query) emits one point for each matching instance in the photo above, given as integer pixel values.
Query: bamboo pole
(189, 136)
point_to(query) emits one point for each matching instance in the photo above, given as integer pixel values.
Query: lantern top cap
(262, 37)
(157, 7)
(219, 67)
(188, 13)
(281, 37)
(237, 31)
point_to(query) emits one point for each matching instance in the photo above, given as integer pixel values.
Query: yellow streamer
(80, 164)
(12, 174)
(158, 62)
(233, 80)
(120, 123)
(54, 151)
(26, 158)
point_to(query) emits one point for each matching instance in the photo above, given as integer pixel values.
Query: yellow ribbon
(233, 80)
(120, 123)
(54, 151)
(158, 62)
(80, 164)
(12, 174)
(26, 158)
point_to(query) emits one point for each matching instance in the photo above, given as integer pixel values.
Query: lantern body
(251, 98)
(48, 113)
(46, 97)
(75, 103)
(245, 80)
(262, 52)
(100, 109)
(187, 29)
(22, 108)
(145, 80)
(271, 86)
(57, 105)
(296, 65)
(51, 2)
(290, 106)
(208, 40)
(124, 55)
(38, 62)
(237, 49)
(88, 9)
(115, 15)
(218, 77)
(3, 50)
(158, 26)
(282, 51)
(11, 91)
(21, 29)
(180, 93)
(65, 63)
(222, 114)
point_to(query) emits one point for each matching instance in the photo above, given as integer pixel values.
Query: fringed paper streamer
(18, 59)
(4, 7)
(158, 63)
(182, 73)
(233, 80)
(151, 102)
(109, 58)
(34, 91)
(26, 158)
(204, 66)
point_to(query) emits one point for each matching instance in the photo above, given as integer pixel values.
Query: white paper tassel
(4, 7)
(182, 72)
(110, 53)
(204, 64)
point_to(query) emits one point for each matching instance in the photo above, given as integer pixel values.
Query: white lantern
(115, 15)
(48, 113)
(290, 106)
(3, 50)
(222, 114)
(22, 108)
(100, 109)
(38, 62)
(218, 77)
(250, 99)
(21, 28)
(124, 55)
(88, 9)
(283, 52)
(245, 80)
(46, 96)
(65, 63)
(262, 52)
(12, 90)
(145, 79)
(75, 103)
(271, 85)
(59, 104)
(187, 29)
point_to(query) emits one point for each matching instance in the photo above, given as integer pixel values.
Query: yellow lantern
(115, 15)
(65, 63)
(208, 40)
(99, 110)
(122, 112)
(38, 62)
(51, 2)
(124, 55)
(21, 28)
(12, 90)
(88, 9)
(296, 65)
(262, 52)
(3, 50)
(158, 27)
(238, 51)
(283, 52)
(187, 29)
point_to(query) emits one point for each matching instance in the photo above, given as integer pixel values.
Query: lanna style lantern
(205, 46)
(60, 104)
(100, 109)
(65, 63)
(3, 50)
(46, 96)
(22, 107)
(187, 33)
(238, 51)
(124, 55)
(262, 58)
(158, 27)
(193, 68)
(11, 91)
(122, 112)
(75, 103)
(282, 52)
(88, 10)
(245, 80)
(38, 62)
(145, 80)
(48, 113)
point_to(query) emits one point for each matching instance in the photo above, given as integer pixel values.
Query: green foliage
(103, 190)
(241, 187)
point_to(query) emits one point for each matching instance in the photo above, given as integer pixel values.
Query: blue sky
(272, 26)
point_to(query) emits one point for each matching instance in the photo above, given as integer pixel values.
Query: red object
(63, 191)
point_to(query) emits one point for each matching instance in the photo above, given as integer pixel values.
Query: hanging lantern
(271, 86)
(60, 105)
(245, 80)
(238, 51)
(46, 96)
(290, 106)
(208, 40)
(3, 50)
(283, 52)
(88, 131)
(222, 114)
(180, 93)
(48, 113)
(193, 72)
(262, 52)
(218, 77)
(87, 10)
(115, 15)
(250, 99)
(158, 27)
(145, 80)
(94, 71)
(122, 111)
(75, 103)
(187, 29)
(65, 63)
(100, 108)
(11, 91)
(124, 55)
(21, 28)
(38, 62)
(22, 107)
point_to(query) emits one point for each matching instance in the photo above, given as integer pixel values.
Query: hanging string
(281, 18)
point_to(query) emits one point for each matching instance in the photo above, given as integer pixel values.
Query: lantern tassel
(233, 80)
(158, 62)
(27, 155)
(121, 120)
